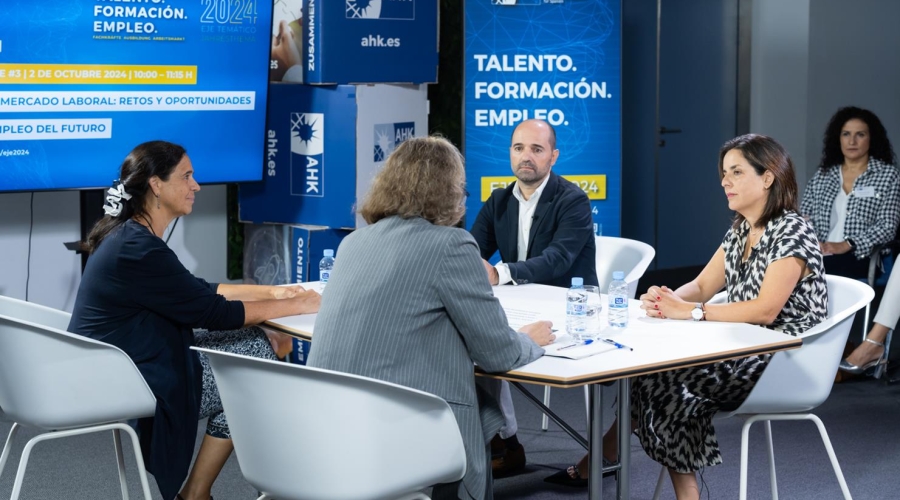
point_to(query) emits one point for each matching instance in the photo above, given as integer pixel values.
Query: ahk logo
(380, 9)
(390, 135)
(308, 154)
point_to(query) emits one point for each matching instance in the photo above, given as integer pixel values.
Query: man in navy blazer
(560, 238)
(542, 226)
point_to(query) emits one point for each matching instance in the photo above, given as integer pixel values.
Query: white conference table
(659, 345)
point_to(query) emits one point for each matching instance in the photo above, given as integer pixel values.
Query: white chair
(298, 430)
(622, 254)
(66, 385)
(18, 309)
(35, 313)
(615, 254)
(798, 381)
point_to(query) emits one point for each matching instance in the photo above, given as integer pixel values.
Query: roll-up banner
(557, 60)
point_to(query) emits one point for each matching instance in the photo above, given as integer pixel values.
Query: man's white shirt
(526, 217)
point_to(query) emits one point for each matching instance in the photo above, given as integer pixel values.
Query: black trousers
(846, 264)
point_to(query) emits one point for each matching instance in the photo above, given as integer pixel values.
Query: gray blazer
(409, 302)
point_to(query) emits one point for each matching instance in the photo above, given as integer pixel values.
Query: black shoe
(498, 447)
(571, 477)
(510, 463)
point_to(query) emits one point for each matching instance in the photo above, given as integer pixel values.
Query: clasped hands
(661, 302)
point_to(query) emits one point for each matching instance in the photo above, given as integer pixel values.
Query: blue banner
(84, 81)
(557, 60)
(310, 159)
(370, 41)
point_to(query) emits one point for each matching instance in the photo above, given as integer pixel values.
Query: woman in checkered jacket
(853, 201)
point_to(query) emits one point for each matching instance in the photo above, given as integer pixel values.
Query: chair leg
(659, 483)
(790, 416)
(745, 448)
(142, 472)
(771, 460)
(120, 463)
(20, 473)
(865, 326)
(4, 455)
(545, 422)
(830, 450)
(23, 463)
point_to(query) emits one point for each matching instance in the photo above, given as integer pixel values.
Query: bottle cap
(577, 281)
(329, 253)
(618, 275)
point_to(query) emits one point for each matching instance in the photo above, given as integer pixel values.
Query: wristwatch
(698, 312)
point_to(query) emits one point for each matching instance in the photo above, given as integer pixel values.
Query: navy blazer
(561, 243)
(137, 296)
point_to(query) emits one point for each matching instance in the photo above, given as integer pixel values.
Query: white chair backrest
(297, 431)
(54, 380)
(801, 379)
(34, 313)
(622, 254)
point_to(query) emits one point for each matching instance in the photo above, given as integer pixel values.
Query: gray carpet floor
(861, 418)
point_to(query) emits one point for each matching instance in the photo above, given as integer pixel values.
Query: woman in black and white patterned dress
(771, 267)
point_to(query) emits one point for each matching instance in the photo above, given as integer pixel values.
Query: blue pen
(618, 345)
(576, 344)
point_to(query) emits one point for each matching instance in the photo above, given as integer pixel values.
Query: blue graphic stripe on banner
(559, 61)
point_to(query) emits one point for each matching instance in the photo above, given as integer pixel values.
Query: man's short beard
(527, 177)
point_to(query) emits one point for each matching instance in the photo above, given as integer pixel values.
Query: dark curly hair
(879, 144)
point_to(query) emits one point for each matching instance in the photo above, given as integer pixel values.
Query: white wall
(55, 271)
(199, 240)
(810, 57)
(854, 59)
(779, 76)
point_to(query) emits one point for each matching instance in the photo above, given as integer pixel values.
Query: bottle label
(620, 301)
(323, 276)
(578, 309)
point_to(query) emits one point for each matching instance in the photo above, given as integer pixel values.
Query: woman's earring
(157, 201)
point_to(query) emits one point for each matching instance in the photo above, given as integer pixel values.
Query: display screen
(82, 82)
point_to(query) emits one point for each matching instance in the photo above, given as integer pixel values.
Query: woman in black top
(136, 295)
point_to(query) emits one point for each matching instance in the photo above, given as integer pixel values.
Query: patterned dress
(247, 341)
(674, 410)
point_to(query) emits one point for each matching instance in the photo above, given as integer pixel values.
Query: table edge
(611, 376)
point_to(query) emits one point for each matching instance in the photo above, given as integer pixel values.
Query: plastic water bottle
(618, 301)
(326, 265)
(576, 309)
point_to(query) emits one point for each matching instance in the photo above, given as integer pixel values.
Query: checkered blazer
(870, 221)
